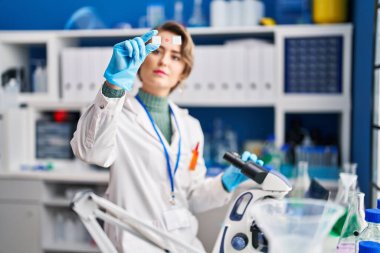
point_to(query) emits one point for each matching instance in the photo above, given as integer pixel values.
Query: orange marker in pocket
(194, 158)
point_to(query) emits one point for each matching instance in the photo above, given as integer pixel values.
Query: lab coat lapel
(141, 117)
(179, 114)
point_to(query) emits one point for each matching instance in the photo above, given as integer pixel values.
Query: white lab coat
(117, 133)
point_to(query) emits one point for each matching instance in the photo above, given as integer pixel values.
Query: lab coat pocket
(176, 218)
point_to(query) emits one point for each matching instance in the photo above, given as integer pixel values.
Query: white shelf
(314, 103)
(67, 176)
(57, 202)
(70, 247)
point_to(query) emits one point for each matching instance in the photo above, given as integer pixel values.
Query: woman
(147, 141)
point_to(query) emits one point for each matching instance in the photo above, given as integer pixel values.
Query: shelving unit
(12, 45)
(14, 52)
(38, 199)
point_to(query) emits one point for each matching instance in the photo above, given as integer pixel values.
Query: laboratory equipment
(296, 224)
(238, 225)
(372, 231)
(235, 13)
(353, 225)
(175, 40)
(369, 247)
(39, 77)
(218, 13)
(197, 19)
(253, 12)
(178, 11)
(325, 51)
(347, 182)
(91, 207)
(289, 12)
(329, 11)
(240, 231)
(232, 176)
(155, 14)
(85, 18)
(302, 181)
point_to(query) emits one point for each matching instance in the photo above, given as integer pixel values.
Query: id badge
(176, 218)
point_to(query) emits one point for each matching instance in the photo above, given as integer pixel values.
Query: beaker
(296, 223)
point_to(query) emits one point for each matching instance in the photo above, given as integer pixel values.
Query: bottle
(235, 12)
(11, 93)
(378, 203)
(197, 19)
(219, 143)
(39, 78)
(218, 13)
(253, 12)
(329, 11)
(372, 231)
(155, 14)
(271, 155)
(369, 247)
(59, 228)
(302, 181)
(353, 225)
(178, 11)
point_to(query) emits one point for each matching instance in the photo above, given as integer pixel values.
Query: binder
(268, 78)
(253, 88)
(238, 68)
(68, 68)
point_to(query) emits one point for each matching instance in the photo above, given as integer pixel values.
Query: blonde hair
(187, 46)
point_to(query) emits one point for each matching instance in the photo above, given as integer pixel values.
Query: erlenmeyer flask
(302, 181)
(353, 225)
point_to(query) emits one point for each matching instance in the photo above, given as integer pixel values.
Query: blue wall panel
(53, 15)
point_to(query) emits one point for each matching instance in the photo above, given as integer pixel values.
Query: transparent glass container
(353, 225)
(302, 181)
(372, 231)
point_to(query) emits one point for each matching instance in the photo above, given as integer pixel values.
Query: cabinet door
(19, 228)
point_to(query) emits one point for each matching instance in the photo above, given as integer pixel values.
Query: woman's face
(163, 68)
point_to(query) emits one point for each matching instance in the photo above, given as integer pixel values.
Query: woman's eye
(155, 52)
(176, 58)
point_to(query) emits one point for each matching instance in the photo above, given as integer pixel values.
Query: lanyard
(170, 172)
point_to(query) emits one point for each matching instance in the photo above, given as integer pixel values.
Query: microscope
(240, 232)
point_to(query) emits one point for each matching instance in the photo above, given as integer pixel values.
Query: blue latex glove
(232, 177)
(127, 58)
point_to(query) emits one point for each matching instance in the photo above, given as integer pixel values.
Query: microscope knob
(239, 241)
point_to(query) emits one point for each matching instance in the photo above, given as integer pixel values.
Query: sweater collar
(154, 103)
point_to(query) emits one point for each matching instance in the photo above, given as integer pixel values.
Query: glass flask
(353, 225)
(302, 181)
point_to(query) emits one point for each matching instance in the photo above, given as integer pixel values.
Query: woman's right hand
(127, 58)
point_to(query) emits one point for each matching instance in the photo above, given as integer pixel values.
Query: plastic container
(329, 11)
(369, 247)
(253, 11)
(218, 13)
(372, 231)
(295, 225)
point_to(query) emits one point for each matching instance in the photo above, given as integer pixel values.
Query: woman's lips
(160, 72)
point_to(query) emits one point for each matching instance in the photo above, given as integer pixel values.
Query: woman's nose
(164, 59)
